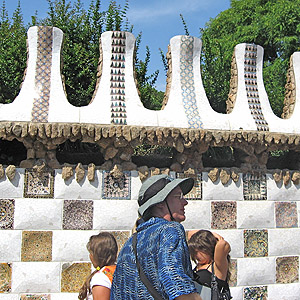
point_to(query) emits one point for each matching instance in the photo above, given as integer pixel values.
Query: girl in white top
(103, 251)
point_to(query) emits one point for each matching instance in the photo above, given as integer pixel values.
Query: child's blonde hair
(104, 249)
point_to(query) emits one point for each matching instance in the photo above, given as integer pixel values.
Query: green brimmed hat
(156, 189)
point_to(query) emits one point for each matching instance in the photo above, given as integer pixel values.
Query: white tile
(42, 214)
(35, 277)
(64, 296)
(284, 291)
(10, 245)
(197, 214)
(14, 188)
(284, 242)
(9, 297)
(71, 189)
(217, 191)
(236, 240)
(70, 245)
(256, 271)
(255, 214)
(280, 192)
(236, 293)
(115, 214)
(135, 185)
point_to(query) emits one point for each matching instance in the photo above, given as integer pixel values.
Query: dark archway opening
(12, 152)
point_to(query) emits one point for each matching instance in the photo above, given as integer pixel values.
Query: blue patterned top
(164, 257)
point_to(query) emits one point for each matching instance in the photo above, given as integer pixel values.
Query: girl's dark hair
(205, 241)
(104, 249)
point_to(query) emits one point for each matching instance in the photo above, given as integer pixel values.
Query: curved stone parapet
(116, 100)
(42, 97)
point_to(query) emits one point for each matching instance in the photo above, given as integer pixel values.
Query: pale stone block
(256, 271)
(115, 214)
(9, 297)
(280, 192)
(41, 214)
(255, 214)
(14, 188)
(197, 214)
(289, 291)
(284, 242)
(217, 191)
(135, 185)
(70, 245)
(64, 296)
(71, 189)
(236, 240)
(35, 277)
(237, 293)
(10, 245)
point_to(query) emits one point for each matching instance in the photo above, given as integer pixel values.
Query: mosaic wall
(251, 87)
(187, 82)
(43, 75)
(117, 79)
(43, 239)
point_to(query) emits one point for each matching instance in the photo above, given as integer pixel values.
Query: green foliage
(12, 54)
(272, 24)
(82, 31)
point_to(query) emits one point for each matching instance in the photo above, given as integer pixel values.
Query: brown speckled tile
(35, 297)
(116, 188)
(38, 185)
(223, 215)
(121, 237)
(286, 214)
(287, 269)
(255, 243)
(233, 272)
(36, 246)
(78, 214)
(196, 192)
(255, 187)
(256, 293)
(7, 210)
(73, 276)
(5, 277)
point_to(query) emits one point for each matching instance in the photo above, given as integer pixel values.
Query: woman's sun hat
(156, 189)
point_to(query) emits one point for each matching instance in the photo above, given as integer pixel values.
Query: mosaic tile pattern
(43, 75)
(187, 82)
(286, 214)
(255, 187)
(121, 237)
(117, 78)
(223, 215)
(7, 210)
(256, 293)
(78, 214)
(38, 185)
(116, 188)
(36, 246)
(5, 278)
(233, 272)
(250, 77)
(73, 276)
(196, 192)
(287, 269)
(35, 297)
(255, 243)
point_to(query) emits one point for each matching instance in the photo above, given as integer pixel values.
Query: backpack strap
(142, 275)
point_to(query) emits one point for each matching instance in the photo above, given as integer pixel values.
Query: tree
(272, 24)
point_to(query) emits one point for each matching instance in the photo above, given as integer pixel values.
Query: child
(209, 250)
(103, 251)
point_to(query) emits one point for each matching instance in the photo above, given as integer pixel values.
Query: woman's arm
(221, 251)
(100, 292)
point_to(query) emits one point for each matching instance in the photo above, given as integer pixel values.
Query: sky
(158, 20)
